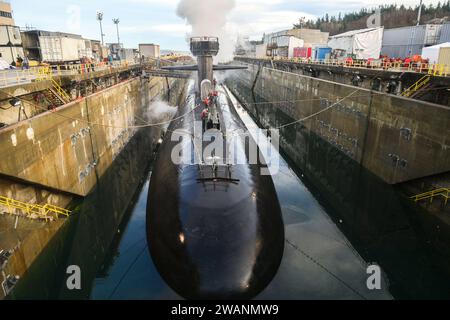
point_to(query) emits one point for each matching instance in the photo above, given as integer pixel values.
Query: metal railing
(431, 69)
(441, 192)
(416, 86)
(33, 211)
(60, 91)
(13, 77)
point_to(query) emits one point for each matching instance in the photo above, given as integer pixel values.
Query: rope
(326, 269)
(147, 125)
(126, 272)
(299, 100)
(319, 112)
(303, 119)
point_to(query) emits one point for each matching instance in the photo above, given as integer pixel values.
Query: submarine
(214, 229)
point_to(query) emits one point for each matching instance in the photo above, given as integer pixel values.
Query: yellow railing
(60, 91)
(439, 70)
(431, 69)
(416, 86)
(441, 192)
(13, 77)
(34, 211)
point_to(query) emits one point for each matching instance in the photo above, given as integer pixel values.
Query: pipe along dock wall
(398, 139)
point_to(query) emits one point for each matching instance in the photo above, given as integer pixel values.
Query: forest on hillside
(392, 16)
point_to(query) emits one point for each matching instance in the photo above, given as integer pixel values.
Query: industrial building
(6, 17)
(10, 38)
(55, 47)
(149, 50)
(408, 41)
(360, 44)
(283, 46)
(444, 35)
(282, 43)
(311, 37)
(99, 51)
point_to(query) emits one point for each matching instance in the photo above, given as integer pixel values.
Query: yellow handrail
(60, 91)
(47, 211)
(418, 67)
(416, 86)
(443, 192)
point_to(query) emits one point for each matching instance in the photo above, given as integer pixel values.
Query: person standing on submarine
(204, 117)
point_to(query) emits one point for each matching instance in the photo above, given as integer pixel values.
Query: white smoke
(209, 18)
(160, 111)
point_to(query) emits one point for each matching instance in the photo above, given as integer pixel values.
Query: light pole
(419, 15)
(116, 22)
(100, 18)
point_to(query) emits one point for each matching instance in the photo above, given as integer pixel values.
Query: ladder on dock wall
(33, 211)
(56, 91)
(430, 195)
(420, 84)
(60, 92)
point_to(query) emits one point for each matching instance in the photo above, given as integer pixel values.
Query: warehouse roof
(353, 32)
(53, 34)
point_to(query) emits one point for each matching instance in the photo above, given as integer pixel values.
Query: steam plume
(209, 18)
(160, 111)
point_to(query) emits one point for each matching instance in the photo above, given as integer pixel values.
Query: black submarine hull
(213, 239)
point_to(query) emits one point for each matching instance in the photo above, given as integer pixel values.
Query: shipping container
(322, 53)
(9, 54)
(10, 43)
(302, 52)
(10, 35)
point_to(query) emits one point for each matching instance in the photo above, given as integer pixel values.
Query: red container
(302, 52)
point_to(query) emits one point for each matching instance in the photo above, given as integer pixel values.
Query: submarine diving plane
(214, 230)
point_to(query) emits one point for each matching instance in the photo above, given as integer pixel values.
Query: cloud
(156, 20)
(170, 28)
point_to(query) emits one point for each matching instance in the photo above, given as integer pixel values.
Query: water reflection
(337, 218)
(370, 213)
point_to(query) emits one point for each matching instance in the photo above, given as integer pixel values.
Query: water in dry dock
(329, 241)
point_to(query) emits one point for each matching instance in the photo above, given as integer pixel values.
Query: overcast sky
(144, 21)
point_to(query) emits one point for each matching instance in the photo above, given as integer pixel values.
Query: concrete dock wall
(68, 150)
(85, 150)
(396, 138)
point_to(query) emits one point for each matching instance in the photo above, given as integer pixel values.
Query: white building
(362, 44)
(261, 50)
(283, 46)
(437, 54)
(149, 50)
